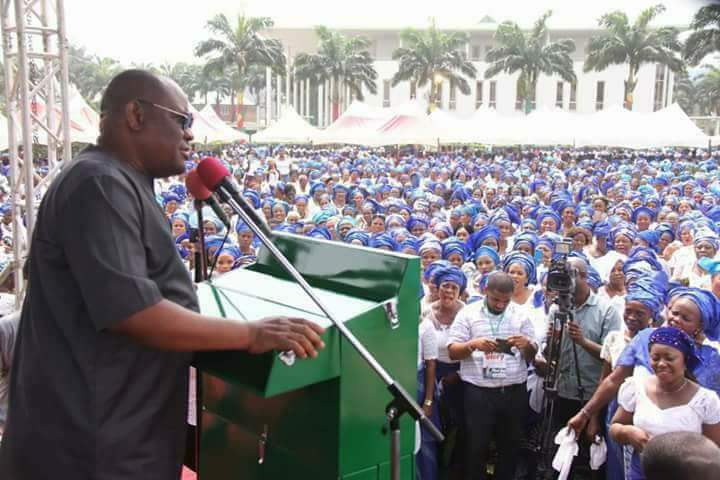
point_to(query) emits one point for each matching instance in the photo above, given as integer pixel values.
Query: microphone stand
(200, 257)
(402, 402)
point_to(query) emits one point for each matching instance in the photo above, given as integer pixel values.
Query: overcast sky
(160, 31)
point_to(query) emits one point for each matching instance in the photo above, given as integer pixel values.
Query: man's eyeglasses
(185, 120)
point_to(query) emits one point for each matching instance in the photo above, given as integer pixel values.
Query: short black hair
(128, 86)
(680, 455)
(500, 282)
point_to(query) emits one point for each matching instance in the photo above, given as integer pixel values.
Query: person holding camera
(494, 344)
(593, 319)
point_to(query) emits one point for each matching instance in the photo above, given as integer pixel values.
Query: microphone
(216, 177)
(198, 190)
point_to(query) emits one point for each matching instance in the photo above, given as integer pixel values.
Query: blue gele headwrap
(676, 338)
(453, 245)
(708, 306)
(651, 237)
(253, 197)
(624, 229)
(443, 227)
(643, 211)
(547, 213)
(415, 220)
(321, 232)
(410, 243)
(476, 240)
(526, 237)
(704, 234)
(357, 234)
(649, 290)
(665, 228)
(452, 274)
(383, 240)
(487, 252)
(525, 261)
(431, 269)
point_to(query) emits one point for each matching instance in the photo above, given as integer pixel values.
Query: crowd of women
(645, 224)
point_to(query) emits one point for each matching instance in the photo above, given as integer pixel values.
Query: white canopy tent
(222, 131)
(289, 128)
(359, 121)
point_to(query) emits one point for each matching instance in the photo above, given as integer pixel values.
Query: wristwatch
(428, 403)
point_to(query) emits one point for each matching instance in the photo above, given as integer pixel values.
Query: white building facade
(593, 91)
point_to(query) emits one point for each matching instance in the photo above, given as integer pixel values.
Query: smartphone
(503, 346)
(194, 235)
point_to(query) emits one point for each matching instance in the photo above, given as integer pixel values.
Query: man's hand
(575, 333)
(521, 342)
(483, 344)
(578, 423)
(283, 333)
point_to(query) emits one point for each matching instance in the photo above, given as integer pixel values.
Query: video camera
(560, 278)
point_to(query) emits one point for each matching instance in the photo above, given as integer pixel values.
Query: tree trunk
(335, 98)
(630, 88)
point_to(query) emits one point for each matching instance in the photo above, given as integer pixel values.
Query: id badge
(494, 366)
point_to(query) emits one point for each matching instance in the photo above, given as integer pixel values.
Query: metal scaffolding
(35, 62)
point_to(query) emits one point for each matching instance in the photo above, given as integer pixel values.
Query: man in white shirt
(494, 344)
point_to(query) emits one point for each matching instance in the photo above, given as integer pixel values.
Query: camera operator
(493, 343)
(593, 319)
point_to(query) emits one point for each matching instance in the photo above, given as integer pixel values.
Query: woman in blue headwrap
(643, 304)
(666, 236)
(383, 241)
(357, 237)
(180, 224)
(488, 236)
(450, 283)
(526, 242)
(705, 245)
(454, 251)
(692, 310)
(226, 259)
(417, 225)
(548, 220)
(442, 230)
(343, 226)
(280, 210)
(643, 217)
(670, 400)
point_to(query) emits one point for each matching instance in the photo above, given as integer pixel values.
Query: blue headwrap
(320, 232)
(383, 240)
(706, 235)
(450, 273)
(487, 252)
(665, 228)
(431, 269)
(526, 237)
(359, 235)
(622, 229)
(476, 240)
(708, 306)
(545, 213)
(525, 261)
(415, 220)
(453, 245)
(651, 237)
(643, 211)
(676, 338)
(649, 290)
(601, 229)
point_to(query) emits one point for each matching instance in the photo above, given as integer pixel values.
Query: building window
(659, 87)
(438, 95)
(453, 96)
(600, 95)
(475, 52)
(573, 97)
(559, 94)
(478, 94)
(493, 94)
(386, 93)
(413, 90)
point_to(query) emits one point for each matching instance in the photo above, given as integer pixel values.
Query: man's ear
(134, 116)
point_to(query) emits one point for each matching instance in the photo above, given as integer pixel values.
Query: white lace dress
(702, 409)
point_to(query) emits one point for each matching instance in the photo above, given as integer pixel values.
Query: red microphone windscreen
(195, 186)
(211, 171)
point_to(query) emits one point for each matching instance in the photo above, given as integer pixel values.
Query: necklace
(666, 392)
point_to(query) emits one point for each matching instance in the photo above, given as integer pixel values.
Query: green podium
(319, 418)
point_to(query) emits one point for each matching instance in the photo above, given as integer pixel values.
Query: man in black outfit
(99, 384)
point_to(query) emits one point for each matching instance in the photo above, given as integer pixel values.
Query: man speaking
(100, 377)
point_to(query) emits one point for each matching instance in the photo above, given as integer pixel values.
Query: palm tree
(344, 60)
(686, 93)
(430, 56)
(530, 54)
(636, 44)
(240, 46)
(709, 88)
(706, 37)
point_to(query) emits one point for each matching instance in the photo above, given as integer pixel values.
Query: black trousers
(494, 414)
(565, 409)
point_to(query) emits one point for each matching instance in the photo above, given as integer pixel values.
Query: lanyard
(494, 327)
